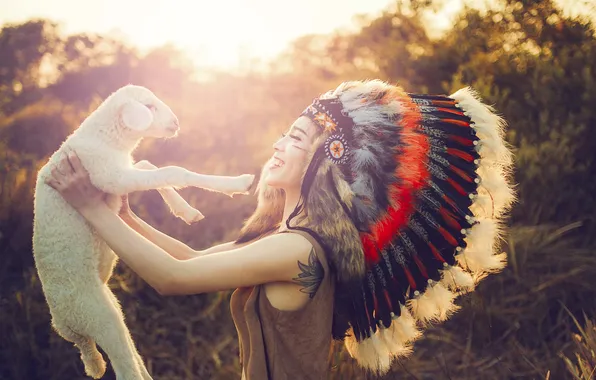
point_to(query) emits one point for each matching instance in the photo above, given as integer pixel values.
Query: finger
(67, 164)
(60, 168)
(75, 162)
(56, 185)
(63, 167)
(56, 174)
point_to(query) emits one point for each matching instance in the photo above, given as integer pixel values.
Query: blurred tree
(534, 71)
(91, 67)
(22, 50)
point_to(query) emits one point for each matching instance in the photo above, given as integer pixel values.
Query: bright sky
(213, 33)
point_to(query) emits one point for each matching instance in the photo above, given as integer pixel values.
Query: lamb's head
(140, 113)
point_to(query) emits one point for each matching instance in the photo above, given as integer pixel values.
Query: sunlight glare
(212, 36)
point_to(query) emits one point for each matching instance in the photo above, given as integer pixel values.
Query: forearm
(149, 261)
(172, 246)
(220, 248)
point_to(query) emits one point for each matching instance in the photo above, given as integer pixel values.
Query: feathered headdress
(419, 185)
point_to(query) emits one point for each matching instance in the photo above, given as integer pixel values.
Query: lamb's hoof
(240, 185)
(190, 215)
(95, 367)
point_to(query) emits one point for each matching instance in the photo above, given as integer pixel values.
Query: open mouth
(276, 163)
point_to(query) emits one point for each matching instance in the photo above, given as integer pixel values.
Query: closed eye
(291, 136)
(151, 107)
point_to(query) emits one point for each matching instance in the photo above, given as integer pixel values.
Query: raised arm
(274, 258)
(174, 247)
(221, 248)
(271, 259)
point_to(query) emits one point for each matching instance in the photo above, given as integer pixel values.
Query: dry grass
(583, 364)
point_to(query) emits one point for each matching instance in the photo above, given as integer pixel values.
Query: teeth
(278, 162)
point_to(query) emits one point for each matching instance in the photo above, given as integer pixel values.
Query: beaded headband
(329, 115)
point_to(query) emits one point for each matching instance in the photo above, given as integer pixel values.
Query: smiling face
(291, 151)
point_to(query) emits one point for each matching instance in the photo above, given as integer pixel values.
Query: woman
(376, 209)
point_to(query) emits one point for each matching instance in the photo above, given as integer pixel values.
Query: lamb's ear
(135, 115)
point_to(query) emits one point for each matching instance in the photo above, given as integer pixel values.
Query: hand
(72, 181)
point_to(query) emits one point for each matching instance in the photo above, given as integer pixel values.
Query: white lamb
(73, 263)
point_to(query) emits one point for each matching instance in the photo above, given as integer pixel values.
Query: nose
(278, 145)
(175, 124)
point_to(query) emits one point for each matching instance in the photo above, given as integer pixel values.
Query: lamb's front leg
(178, 205)
(127, 181)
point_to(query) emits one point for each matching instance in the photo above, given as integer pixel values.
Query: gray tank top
(279, 345)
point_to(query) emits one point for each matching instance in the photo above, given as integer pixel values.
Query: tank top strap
(319, 251)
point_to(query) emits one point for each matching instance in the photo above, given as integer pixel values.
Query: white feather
(403, 329)
(394, 346)
(494, 181)
(370, 353)
(479, 254)
(455, 278)
(479, 261)
(435, 304)
(376, 352)
(489, 127)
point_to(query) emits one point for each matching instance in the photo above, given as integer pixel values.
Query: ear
(136, 116)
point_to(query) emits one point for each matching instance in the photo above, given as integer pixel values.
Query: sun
(212, 35)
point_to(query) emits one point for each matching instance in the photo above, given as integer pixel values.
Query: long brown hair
(269, 212)
(322, 211)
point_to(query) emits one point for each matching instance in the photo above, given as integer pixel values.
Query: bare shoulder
(295, 242)
(293, 245)
(286, 257)
(297, 254)
(309, 271)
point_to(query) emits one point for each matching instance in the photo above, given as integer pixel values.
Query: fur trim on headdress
(326, 216)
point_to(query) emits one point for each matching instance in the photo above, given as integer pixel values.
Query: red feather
(450, 201)
(445, 103)
(388, 299)
(451, 110)
(384, 231)
(449, 218)
(457, 122)
(421, 266)
(461, 140)
(458, 153)
(435, 252)
(448, 236)
(371, 253)
(412, 172)
(457, 187)
(410, 278)
(461, 173)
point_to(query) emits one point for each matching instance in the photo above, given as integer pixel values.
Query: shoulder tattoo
(311, 274)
